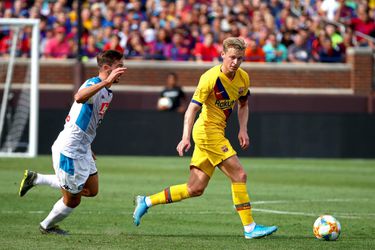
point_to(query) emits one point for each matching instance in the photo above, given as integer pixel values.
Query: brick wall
(356, 75)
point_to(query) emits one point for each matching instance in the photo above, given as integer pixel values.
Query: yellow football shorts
(208, 155)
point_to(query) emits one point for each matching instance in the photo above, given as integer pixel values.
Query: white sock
(59, 212)
(249, 228)
(148, 201)
(47, 179)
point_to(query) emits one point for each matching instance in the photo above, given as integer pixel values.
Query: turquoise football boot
(260, 231)
(140, 209)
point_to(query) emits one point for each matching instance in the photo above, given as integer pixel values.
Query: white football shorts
(73, 173)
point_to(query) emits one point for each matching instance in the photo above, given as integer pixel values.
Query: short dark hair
(108, 57)
(173, 74)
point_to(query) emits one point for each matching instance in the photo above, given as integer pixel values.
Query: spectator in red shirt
(207, 50)
(57, 46)
(363, 24)
(114, 44)
(254, 53)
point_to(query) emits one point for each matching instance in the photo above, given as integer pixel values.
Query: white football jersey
(82, 121)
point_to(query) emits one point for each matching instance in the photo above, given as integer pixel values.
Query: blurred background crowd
(193, 30)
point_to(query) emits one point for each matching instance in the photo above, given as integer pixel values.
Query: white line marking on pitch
(282, 212)
(303, 201)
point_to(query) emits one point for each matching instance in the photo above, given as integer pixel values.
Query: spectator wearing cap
(57, 46)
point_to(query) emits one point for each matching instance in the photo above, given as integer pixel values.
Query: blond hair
(234, 42)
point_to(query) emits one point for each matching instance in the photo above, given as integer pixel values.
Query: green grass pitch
(289, 193)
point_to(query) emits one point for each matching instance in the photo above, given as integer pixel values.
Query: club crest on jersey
(224, 149)
(240, 90)
(103, 108)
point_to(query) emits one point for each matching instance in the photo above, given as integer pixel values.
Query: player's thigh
(74, 173)
(232, 168)
(200, 159)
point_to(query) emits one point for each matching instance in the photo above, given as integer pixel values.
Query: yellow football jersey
(218, 95)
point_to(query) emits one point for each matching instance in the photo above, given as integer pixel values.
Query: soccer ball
(164, 103)
(326, 227)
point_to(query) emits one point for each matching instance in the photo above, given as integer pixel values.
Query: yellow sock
(242, 202)
(170, 194)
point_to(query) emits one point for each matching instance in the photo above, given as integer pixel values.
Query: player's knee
(72, 202)
(196, 191)
(90, 192)
(240, 177)
(93, 193)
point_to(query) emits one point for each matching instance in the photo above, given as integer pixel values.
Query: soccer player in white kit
(73, 160)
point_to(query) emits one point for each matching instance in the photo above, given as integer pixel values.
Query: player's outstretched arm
(86, 93)
(243, 117)
(189, 118)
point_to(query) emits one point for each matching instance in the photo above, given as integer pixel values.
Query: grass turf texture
(289, 193)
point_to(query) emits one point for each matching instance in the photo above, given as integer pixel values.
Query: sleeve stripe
(196, 102)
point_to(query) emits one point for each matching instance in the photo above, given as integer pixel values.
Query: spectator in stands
(192, 20)
(334, 35)
(207, 51)
(274, 50)
(298, 52)
(363, 24)
(178, 51)
(329, 54)
(328, 9)
(254, 53)
(114, 44)
(175, 93)
(160, 47)
(135, 48)
(57, 46)
(317, 45)
(91, 49)
(344, 14)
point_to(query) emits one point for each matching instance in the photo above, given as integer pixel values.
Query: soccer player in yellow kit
(219, 89)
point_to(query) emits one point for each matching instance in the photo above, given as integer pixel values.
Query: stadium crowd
(192, 30)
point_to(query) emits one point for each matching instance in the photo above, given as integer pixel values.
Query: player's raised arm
(85, 93)
(189, 118)
(243, 117)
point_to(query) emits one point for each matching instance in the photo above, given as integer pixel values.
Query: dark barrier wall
(127, 132)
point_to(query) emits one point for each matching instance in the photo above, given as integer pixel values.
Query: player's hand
(244, 140)
(115, 75)
(183, 146)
